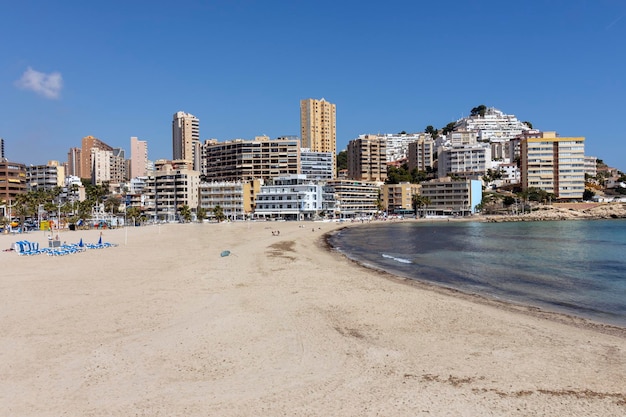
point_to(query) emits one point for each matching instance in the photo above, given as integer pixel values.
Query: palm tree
(419, 201)
(218, 212)
(201, 213)
(185, 213)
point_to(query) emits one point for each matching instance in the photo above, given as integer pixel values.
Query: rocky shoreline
(567, 212)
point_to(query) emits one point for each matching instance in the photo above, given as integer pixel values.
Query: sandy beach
(162, 325)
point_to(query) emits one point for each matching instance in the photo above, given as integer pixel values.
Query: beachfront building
(245, 160)
(317, 165)
(554, 164)
(138, 158)
(12, 181)
(355, 199)
(318, 126)
(398, 198)
(367, 158)
(235, 198)
(171, 186)
(45, 177)
(420, 153)
(186, 139)
(469, 161)
(292, 197)
(449, 197)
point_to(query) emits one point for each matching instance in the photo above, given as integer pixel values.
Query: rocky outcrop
(600, 211)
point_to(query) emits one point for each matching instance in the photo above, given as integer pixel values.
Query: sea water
(574, 267)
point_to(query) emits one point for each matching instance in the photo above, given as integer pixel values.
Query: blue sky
(117, 69)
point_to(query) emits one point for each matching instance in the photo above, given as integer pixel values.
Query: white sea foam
(401, 260)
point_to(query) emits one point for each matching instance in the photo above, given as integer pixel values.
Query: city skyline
(397, 67)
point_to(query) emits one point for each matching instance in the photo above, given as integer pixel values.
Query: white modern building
(292, 197)
(465, 162)
(317, 165)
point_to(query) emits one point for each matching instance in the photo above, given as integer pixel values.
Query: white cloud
(47, 85)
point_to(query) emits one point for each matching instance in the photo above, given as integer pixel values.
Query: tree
(527, 123)
(112, 203)
(588, 195)
(479, 111)
(342, 160)
(218, 213)
(201, 213)
(396, 175)
(448, 128)
(432, 131)
(133, 213)
(185, 213)
(419, 201)
(508, 201)
(418, 176)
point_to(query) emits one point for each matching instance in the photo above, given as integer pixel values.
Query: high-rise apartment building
(367, 158)
(1, 149)
(318, 126)
(244, 160)
(421, 152)
(12, 180)
(45, 177)
(138, 157)
(88, 144)
(186, 138)
(554, 164)
(169, 187)
(74, 162)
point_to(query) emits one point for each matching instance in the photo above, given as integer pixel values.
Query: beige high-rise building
(318, 126)
(554, 164)
(186, 138)
(138, 157)
(86, 164)
(367, 158)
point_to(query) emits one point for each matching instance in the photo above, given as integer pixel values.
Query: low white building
(291, 197)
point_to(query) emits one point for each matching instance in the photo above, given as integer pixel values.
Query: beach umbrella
(225, 253)
(81, 244)
(100, 241)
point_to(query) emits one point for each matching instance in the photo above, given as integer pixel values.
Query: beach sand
(162, 325)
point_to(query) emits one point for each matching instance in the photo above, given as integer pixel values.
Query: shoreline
(521, 308)
(164, 325)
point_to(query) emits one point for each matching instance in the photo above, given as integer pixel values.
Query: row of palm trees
(53, 203)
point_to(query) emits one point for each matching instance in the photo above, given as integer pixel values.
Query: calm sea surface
(573, 267)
